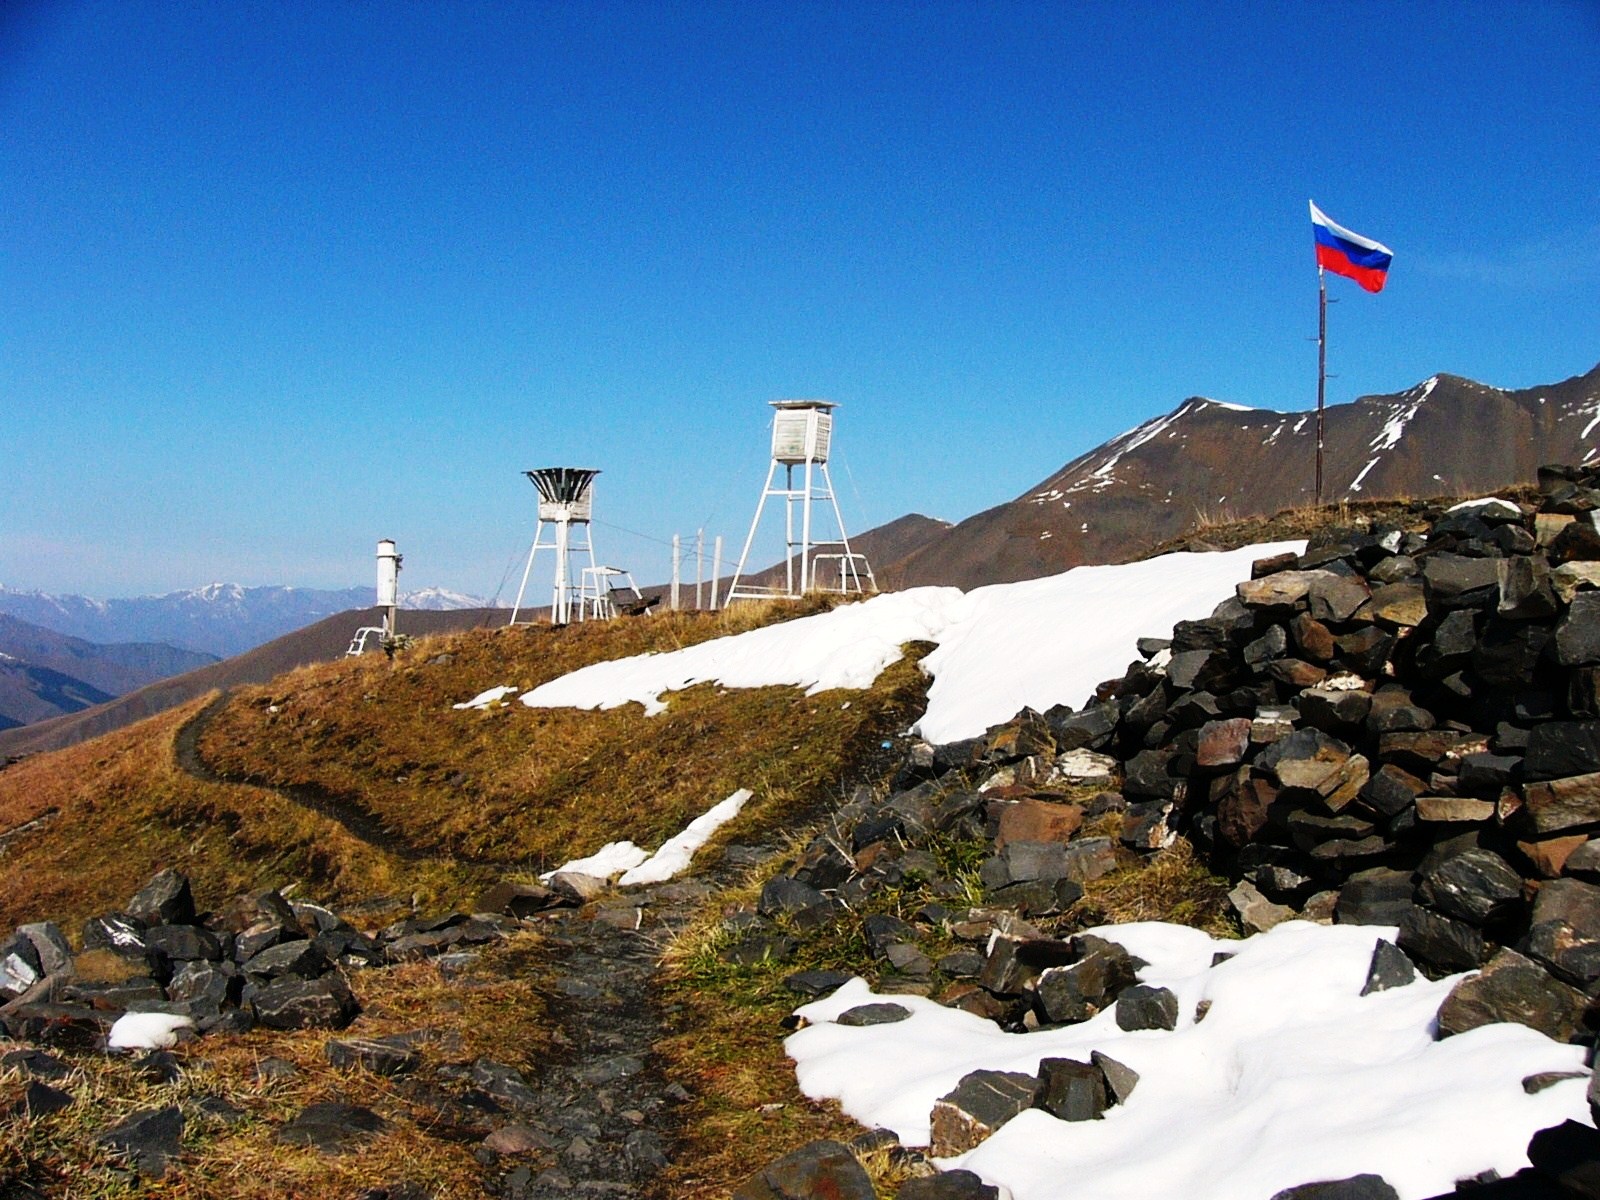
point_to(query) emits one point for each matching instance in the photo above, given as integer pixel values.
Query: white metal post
(805, 536)
(676, 558)
(558, 603)
(699, 569)
(716, 571)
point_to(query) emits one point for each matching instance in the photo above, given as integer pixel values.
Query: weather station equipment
(566, 506)
(388, 600)
(802, 435)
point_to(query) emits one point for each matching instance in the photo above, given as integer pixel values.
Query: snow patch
(676, 852)
(1039, 642)
(484, 699)
(1295, 1073)
(611, 859)
(147, 1031)
(1355, 484)
(845, 648)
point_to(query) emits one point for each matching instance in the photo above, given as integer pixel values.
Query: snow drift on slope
(1039, 642)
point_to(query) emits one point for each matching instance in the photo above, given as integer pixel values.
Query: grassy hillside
(396, 795)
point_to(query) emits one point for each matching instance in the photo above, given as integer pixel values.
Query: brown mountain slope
(1445, 436)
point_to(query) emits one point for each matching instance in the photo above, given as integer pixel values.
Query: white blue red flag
(1350, 254)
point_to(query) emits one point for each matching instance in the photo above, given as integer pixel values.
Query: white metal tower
(388, 600)
(802, 431)
(566, 505)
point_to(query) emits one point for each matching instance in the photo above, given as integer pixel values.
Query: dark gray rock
(1089, 729)
(1564, 931)
(1486, 774)
(1012, 962)
(948, 1185)
(1039, 898)
(165, 900)
(19, 965)
(883, 931)
(1476, 886)
(884, 1013)
(1025, 862)
(36, 1064)
(1452, 581)
(1120, 1079)
(291, 1003)
(68, 1026)
(1441, 942)
(40, 1100)
(504, 1083)
(1357, 1187)
(816, 1171)
(1513, 988)
(1086, 987)
(183, 943)
(1146, 1007)
(148, 1139)
(1561, 748)
(1568, 1155)
(50, 946)
(1375, 896)
(1577, 639)
(977, 1106)
(206, 983)
(1391, 790)
(332, 1127)
(261, 935)
(121, 934)
(1390, 968)
(381, 1056)
(300, 960)
(817, 983)
(1070, 1090)
(1509, 653)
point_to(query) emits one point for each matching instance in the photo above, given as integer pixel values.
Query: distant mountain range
(1447, 436)
(44, 674)
(220, 619)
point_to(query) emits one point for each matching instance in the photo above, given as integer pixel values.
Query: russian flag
(1350, 254)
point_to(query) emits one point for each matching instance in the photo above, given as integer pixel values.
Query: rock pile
(1400, 729)
(259, 960)
(1391, 728)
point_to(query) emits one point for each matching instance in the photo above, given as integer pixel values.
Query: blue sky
(279, 279)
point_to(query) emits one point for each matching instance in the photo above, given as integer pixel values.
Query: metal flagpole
(1322, 365)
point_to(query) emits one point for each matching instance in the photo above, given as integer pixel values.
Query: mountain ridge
(1446, 435)
(217, 619)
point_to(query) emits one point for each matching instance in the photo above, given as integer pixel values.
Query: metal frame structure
(597, 591)
(566, 499)
(802, 435)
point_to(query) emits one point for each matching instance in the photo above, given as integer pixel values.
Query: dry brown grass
(1222, 529)
(498, 1010)
(1171, 885)
(536, 786)
(124, 811)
